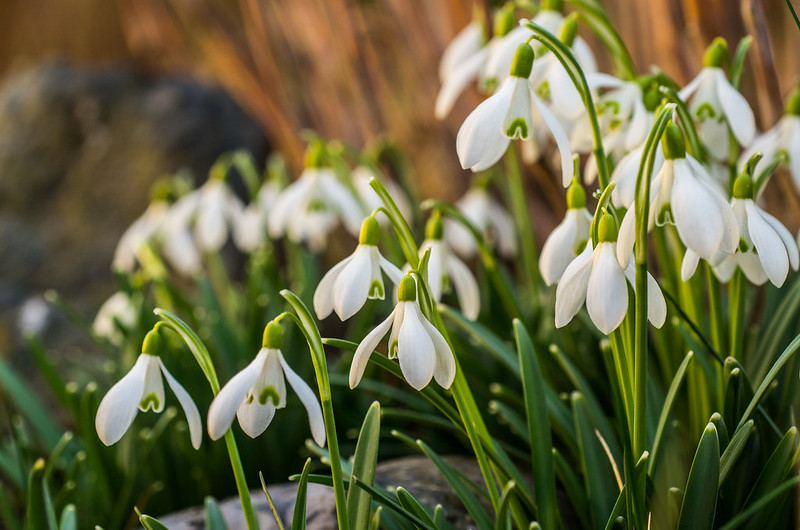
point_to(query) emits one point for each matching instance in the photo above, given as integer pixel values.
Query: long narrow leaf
(700, 496)
(665, 410)
(299, 515)
(29, 406)
(364, 463)
(214, 519)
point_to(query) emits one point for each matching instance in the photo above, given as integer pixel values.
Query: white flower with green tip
(250, 229)
(347, 286)
(511, 113)
(766, 249)
(489, 217)
(445, 268)
(716, 105)
(422, 351)
(117, 311)
(254, 394)
(139, 233)
(568, 239)
(218, 210)
(142, 389)
(596, 277)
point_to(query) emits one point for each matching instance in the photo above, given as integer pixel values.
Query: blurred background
(98, 99)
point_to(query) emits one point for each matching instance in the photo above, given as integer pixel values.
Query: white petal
(751, 265)
(461, 76)
(571, 290)
(481, 140)
(258, 408)
(254, 418)
(210, 225)
(766, 144)
(626, 238)
(189, 408)
(223, 408)
(584, 55)
(323, 295)
(415, 349)
(656, 305)
(120, 404)
(736, 109)
(466, 287)
(445, 371)
(291, 202)
(726, 267)
(689, 89)
(786, 237)
(558, 250)
(365, 349)
(770, 247)
(397, 322)
(607, 290)
(638, 127)
(436, 267)
(181, 252)
(793, 148)
(501, 54)
(309, 401)
(689, 264)
(562, 142)
(351, 288)
(465, 44)
(565, 97)
(502, 228)
(601, 80)
(391, 270)
(153, 391)
(695, 212)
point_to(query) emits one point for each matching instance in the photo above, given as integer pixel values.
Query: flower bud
(672, 142)
(743, 187)
(523, 61)
(407, 290)
(370, 232)
(569, 30)
(716, 53)
(435, 228)
(315, 154)
(273, 336)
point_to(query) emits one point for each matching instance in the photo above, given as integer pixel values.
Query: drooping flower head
(766, 249)
(250, 231)
(422, 351)
(254, 394)
(716, 105)
(142, 388)
(596, 277)
(444, 269)
(569, 238)
(510, 113)
(347, 286)
(489, 217)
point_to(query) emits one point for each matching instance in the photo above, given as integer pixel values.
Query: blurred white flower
(347, 286)
(308, 209)
(422, 351)
(568, 239)
(489, 217)
(716, 105)
(782, 139)
(250, 229)
(138, 233)
(217, 211)
(625, 173)
(254, 394)
(175, 236)
(444, 267)
(143, 389)
(361, 178)
(596, 277)
(509, 114)
(118, 310)
(34, 316)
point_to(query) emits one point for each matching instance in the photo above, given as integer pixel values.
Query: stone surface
(417, 474)
(79, 150)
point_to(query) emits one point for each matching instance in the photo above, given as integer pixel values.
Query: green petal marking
(664, 215)
(705, 112)
(518, 129)
(393, 350)
(150, 400)
(376, 290)
(543, 91)
(269, 394)
(581, 246)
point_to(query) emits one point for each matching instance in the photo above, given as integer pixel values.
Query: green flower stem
(597, 19)
(693, 144)
(570, 63)
(401, 228)
(306, 323)
(621, 366)
(737, 300)
(203, 359)
(519, 207)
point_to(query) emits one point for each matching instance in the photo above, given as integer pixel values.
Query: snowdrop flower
(139, 233)
(506, 115)
(488, 216)
(422, 351)
(347, 286)
(569, 238)
(782, 139)
(250, 229)
(444, 267)
(118, 310)
(218, 211)
(256, 392)
(464, 45)
(625, 173)
(142, 388)
(597, 278)
(683, 195)
(716, 105)
(308, 209)
(175, 235)
(766, 249)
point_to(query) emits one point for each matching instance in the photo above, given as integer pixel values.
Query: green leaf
(273, 509)
(364, 462)
(761, 503)
(195, 345)
(700, 495)
(148, 522)
(734, 450)
(29, 406)
(601, 490)
(737, 67)
(299, 515)
(440, 519)
(777, 467)
(572, 485)
(485, 338)
(775, 326)
(214, 519)
(665, 410)
(411, 504)
(539, 433)
(503, 520)
(40, 514)
(69, 518)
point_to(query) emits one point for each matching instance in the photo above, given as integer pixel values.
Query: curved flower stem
(570, 63)
(519, 205)
(306, 323)
(203, 359)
